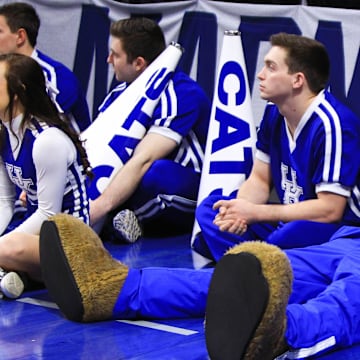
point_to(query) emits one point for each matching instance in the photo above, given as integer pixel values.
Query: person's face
(4, 95)
(8, 40)
(276, 84)
(123, 70)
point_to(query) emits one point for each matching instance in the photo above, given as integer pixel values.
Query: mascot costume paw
(79, 273)
(246, 306)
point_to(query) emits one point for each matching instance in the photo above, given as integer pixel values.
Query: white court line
(162, 327)
(147, 324)
(38, 302)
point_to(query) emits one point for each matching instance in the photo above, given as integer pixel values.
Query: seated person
(161, 178)
(305, 150)
(31, 129)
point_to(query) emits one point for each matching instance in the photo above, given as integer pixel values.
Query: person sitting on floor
(31, 130)
(160, 181)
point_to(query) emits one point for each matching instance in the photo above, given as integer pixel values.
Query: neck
(294, 109)
(25, 49)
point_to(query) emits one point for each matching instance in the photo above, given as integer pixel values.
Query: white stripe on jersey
(330, 158)
(168, 100)
(338, 137)
(352, 204)
(195, 157)
(50, 69)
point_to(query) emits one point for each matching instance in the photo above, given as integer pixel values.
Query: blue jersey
(31, 172)
(184, 109)
(321, 156)
(65, 87)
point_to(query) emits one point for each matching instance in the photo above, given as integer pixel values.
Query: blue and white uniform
(65, 89)
(318, 158)
(182, 115)
(43, 162)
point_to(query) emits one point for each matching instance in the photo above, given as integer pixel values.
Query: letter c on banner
(232, 68)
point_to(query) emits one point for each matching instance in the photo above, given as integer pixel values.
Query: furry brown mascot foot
(246, 307)
(79, 273)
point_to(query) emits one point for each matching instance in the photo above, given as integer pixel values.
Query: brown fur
(268, 340)
(98, 275)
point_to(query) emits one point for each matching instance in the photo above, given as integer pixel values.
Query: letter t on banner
(232, 134)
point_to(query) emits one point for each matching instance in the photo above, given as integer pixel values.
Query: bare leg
(20, 252)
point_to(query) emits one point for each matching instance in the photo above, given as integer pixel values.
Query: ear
(140, 64)
(22, 37)
(298, 80)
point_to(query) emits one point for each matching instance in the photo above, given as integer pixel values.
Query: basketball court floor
(33, 328)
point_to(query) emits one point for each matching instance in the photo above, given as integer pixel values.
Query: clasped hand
(234, 215)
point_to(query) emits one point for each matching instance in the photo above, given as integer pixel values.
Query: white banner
(112, 137)
(231, 138)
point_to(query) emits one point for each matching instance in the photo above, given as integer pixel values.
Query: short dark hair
(20, 15)
(305, 55)
(140, 36)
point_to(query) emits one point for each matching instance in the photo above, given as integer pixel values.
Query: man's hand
(231, 216)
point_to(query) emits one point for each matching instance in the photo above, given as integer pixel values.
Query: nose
(109, 59)
(260, 74)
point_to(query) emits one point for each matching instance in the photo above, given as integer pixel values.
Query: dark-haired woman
(41, 155)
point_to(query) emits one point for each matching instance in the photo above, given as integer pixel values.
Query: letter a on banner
(112, 137)
(232, 134)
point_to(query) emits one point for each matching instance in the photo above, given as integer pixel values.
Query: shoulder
(184, 85)
(54, 142)
(51, 65)
(338, 112)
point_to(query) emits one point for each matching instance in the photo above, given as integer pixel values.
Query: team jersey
(65, 90)
(320, 156)
(182, 114)
(43, 162)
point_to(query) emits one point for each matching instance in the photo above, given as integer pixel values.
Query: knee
(9, 247)
(154, 175)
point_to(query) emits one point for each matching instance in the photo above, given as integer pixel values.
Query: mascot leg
(246, 306)
(79, 273)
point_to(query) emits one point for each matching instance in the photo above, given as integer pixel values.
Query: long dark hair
(26, 83)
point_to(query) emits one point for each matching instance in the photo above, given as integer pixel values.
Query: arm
(152, 147)
(7, 198)
(250, 205)
(51, 176)
(234, 214)
(256, 188)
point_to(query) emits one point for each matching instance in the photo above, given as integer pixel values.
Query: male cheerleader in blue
(19, 24)
(305, 150)
(161, 178)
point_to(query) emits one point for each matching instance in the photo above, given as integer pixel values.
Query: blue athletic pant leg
(163, 293)
(166, 185)
(331, 317)
(302, 233)
(212, 242)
